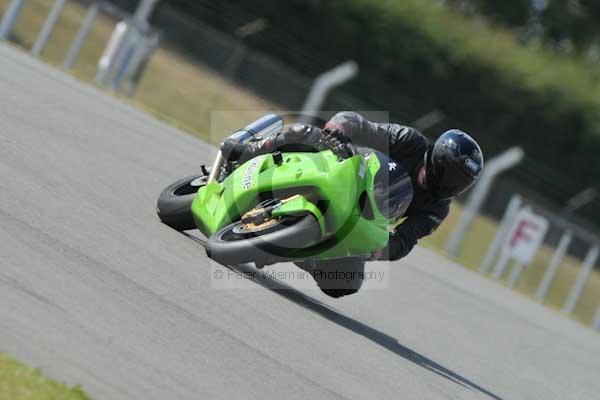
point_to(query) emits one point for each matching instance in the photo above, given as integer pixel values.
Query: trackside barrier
(325, 82)
(129, 49)
(82, 34)
(127, 54)
(48, 27)
(511, 211)
(557, 259)
(10, 18)
(582, 277)
(521, 234)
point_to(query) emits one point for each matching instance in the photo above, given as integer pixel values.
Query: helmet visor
(445, 181)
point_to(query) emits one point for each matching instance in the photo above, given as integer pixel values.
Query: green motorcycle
(290, 206)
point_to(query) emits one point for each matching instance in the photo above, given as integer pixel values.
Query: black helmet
(453, 163)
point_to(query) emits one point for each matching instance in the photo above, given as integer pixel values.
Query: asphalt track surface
(95, 291)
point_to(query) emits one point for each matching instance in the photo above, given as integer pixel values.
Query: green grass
(195, 98)
(20, 382)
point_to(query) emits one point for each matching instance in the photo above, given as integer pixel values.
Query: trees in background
(566, 25)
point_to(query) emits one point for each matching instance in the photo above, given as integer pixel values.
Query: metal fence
(128, 50)
(231, 57)
(563, 263)
(126, 54)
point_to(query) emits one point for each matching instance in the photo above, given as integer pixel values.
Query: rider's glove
(233, 150)
(401, 242)
(337, 142)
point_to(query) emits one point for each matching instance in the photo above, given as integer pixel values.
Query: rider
(439, 172)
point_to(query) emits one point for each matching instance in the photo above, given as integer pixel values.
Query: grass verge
(20, 382)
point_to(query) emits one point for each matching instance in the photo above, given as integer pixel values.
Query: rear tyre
(234, 244)
(175, 201)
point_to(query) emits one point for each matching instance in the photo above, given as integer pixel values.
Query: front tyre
(175, 201)
(276, 241)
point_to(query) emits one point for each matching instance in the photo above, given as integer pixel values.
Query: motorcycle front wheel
(272, 241)
(175, 201)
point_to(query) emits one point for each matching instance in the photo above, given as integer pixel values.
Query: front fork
(216, 167)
